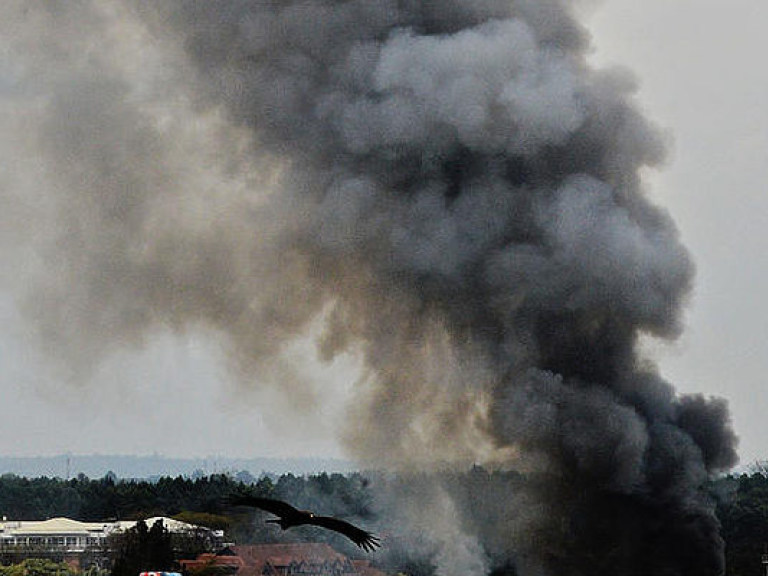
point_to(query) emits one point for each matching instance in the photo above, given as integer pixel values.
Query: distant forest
(741, 504)
(156, 466)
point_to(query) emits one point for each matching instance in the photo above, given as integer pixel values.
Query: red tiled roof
(205, 560)
(252, 559)
(364, 568)
(282, 554)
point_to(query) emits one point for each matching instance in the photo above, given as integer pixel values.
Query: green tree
(743, 513)
(38, 567)
(142, 549)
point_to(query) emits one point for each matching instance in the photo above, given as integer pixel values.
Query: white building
(71, 536)
(60, 534)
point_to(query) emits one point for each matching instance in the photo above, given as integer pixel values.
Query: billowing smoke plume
(446, 188)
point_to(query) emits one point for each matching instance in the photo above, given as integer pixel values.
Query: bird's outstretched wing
(276, 507)
(365, 540)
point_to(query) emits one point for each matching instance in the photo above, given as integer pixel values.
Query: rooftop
(53, 526)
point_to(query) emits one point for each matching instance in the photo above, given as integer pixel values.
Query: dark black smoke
(449, 188)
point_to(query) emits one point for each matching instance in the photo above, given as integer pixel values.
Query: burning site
(447, 192)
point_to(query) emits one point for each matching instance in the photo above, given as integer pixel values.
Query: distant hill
(147, 467)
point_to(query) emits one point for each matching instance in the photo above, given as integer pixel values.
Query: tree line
(741, 505)
(194, 500)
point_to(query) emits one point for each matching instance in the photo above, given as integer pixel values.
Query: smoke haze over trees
(447, 192)
(742, 508)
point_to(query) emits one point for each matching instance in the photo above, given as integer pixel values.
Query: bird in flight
(290, 517)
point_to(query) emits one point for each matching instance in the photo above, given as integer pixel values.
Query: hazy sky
(701, 74)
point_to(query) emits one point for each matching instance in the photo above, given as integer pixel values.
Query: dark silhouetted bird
(290, 517)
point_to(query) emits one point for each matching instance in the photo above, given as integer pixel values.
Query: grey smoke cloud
(449, 191)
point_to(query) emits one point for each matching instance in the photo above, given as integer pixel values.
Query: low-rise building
(56, 534)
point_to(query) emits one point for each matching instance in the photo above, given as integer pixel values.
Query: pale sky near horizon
(702, 77)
